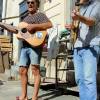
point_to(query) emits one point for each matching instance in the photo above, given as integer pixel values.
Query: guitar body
(34, 39)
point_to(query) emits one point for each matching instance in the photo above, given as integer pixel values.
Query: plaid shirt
(36, 18)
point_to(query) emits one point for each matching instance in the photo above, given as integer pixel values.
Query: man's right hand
(75, 15)
(69, 26)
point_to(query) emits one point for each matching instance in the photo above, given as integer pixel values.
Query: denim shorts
(30, 56)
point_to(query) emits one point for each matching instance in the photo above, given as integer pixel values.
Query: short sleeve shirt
(89, 35)
(36, 18)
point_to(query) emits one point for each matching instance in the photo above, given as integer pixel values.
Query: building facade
(58, 11)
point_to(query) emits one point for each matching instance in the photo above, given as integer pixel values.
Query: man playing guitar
(87, 48)
(37, 21)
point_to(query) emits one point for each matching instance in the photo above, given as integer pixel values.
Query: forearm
(8, 27)
(42, 26)
(87, 21)
(11, 30)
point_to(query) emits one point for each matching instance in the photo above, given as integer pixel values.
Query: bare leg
(37, 79)
(24, 79)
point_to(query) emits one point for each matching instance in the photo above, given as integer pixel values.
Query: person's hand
(75, 15)
(30, 27)
(69, 26)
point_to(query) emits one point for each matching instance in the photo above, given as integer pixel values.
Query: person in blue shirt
(86, 47)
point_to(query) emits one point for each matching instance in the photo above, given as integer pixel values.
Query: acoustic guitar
(34, 39)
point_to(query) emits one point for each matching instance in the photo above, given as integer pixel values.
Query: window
(22, 10)
(1, 7)
(22, 7)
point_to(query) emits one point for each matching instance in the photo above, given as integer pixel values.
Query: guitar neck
(8, 27)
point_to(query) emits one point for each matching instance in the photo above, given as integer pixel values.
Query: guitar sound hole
(24, 30)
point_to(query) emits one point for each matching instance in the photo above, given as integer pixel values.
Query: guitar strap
(77, 30)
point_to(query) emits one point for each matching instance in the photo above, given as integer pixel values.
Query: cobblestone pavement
(10, 89)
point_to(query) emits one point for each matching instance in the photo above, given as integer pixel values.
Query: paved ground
(10, 89)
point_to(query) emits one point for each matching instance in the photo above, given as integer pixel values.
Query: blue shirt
(89, 35)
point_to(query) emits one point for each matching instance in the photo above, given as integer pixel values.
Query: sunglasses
(30, 2)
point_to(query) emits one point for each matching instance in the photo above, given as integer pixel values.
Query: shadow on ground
(56, 93)
(53, 91)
